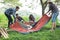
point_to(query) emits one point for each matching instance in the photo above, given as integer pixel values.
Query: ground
(43, 34)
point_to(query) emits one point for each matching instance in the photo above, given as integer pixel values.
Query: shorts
(54, 16)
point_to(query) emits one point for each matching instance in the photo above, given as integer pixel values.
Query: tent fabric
(43, 20)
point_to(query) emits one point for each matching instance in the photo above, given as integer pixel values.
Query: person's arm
(49, 8)
(22, 19)
(14, 15)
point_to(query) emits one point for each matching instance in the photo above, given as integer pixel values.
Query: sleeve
(14, 15)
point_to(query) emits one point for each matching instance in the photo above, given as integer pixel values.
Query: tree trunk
(43, 6)
(42, 11)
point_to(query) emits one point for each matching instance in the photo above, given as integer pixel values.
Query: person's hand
(49, 12)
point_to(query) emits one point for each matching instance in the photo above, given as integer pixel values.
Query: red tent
(17, 27)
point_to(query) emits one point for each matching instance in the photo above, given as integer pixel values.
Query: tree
(12, 2)
(57, 1)
(44, 4)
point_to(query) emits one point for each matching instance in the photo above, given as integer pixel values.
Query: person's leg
(53, 22)
(54, 16)
(10, 21)
(53, 25)
(7, 17)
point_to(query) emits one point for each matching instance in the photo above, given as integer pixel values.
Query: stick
(4, 32)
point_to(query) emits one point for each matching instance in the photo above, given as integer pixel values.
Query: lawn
(43, 34)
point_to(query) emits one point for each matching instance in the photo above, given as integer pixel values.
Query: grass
(43, 34)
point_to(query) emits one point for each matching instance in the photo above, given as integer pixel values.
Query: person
(19, 18)
(53, 8)
(31, 19)
(22, 22)
(9, 12)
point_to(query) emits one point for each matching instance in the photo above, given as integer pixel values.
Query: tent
(42, 21)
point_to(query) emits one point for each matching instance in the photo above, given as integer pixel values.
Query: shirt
(53, 8)
(11, 11)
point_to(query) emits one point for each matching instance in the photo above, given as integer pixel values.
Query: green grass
(43, 34)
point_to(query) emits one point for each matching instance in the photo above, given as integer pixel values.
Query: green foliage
(43, 1)
(10, 1)
(13, 2)
(43, 34)
(57, 1)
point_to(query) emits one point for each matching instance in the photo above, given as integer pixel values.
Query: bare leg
(53, 26)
